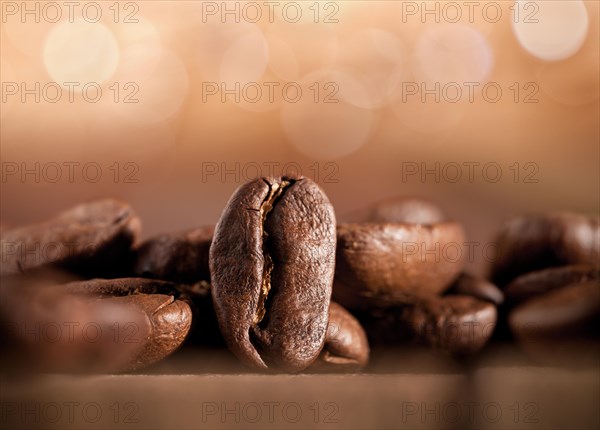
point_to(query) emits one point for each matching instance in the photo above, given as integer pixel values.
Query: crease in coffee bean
(339, 356)
(167, 302)
(276, 191)
(338, 359)
(20, 267)
(121, 217)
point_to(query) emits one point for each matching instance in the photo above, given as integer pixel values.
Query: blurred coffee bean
(412, 210)
(177, 257)
(535, 242)
(92, 239)
(560, 326)
(94, 326)
(346, 347)
(46, 328)
(374, 259)
(543, 281)
(469, 285)
(459, 325)
(561, 312)
(204, 329)
(121, 287)
(170, 319)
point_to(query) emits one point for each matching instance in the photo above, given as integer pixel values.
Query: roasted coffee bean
(46, 328)
(170, 319)
(121, 287)
(346, 347)
(543, 281)
(92, 239)
(374, 259)
(177, 257)
(535, 242)
(272, 265)
(469, 285)
(458, 325)
(558, 313)
(204, 330)
(560, 327)
(412, 210)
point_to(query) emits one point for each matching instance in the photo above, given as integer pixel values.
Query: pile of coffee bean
(81, 293)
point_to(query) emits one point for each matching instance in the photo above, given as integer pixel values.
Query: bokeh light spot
(555, 31)
(376, 57)
(452, 53)
(80, 52)
(151, 97)
(321, 130)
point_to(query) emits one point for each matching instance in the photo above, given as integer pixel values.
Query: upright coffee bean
(93, 239)
(272, 266)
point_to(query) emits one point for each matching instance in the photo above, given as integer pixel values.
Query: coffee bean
(534, 242)
(46, 328)
(543, 281)
(408, 259)
(470, 285)
(177, 257)
(346, 347)
(121, 287)
(92, 239)
(170, 319)
(204, 330)
(458, 325)
(559, 312)
(272, 265)
(412, 210)
(560, 327)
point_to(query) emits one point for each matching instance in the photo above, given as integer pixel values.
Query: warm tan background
(369, 53)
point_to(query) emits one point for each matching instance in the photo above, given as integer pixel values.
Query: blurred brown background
(178, 150)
